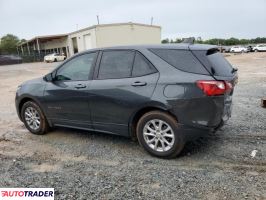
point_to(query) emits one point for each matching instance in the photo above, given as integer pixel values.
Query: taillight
(214, 88)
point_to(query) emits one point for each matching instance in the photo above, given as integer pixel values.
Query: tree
(219, 41)
(8, 44)
(165, 41)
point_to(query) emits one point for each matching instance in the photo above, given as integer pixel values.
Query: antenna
(98, 19)
(151, 20)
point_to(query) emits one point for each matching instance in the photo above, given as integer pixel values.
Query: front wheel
(158, 133)
(34, 118)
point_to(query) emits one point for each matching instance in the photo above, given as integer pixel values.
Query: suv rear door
(123, 81)
(221, 70)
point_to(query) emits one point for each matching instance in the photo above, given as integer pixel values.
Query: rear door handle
(80, 86)
(138, 83)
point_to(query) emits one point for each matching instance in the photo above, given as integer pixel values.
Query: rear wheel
(55, 60)
(34, 118)
(158, 133)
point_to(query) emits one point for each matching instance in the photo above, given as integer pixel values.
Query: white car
(259, 47)
(238, 49)
(54, 57)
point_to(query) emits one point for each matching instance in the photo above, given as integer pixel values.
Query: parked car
(54, 57)
(225, 49)
(238, 49)
(164, 95)
(259, 47)
(10, 59)
(249, 48)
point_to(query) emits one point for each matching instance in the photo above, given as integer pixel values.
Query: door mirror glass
(48, 77)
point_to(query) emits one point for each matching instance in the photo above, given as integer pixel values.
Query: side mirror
(49, 77)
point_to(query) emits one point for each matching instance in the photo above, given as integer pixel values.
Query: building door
(87, 41)
(75, 45)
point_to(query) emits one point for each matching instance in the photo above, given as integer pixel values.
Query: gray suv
(163, 95)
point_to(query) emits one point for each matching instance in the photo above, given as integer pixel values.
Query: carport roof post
(38, 45)
(28, 48)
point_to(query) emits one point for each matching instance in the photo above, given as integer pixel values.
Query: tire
(29, 108)
(176, 141)
(55, 60)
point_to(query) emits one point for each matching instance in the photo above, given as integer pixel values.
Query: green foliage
(8, 44)
(165, 41)
(225, 42)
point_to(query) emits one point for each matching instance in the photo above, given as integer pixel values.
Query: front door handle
(138, 83)
(80, 86)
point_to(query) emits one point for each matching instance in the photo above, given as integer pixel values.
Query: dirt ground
(88, 165)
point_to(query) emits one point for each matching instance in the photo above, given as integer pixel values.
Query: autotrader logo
(26, 193)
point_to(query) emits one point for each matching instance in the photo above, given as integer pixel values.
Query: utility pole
(98, 19)
(151, 20)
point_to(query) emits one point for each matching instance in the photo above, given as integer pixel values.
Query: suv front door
(66, 97)
(124, 81)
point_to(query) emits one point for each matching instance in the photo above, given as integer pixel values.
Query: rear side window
(116, 64)
(215, 62)
(142, 66)
(181, 59)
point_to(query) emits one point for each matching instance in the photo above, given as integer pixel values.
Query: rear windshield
(215, 62)
(183, 60)
(221, 66)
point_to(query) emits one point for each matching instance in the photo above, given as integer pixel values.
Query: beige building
(102, 35)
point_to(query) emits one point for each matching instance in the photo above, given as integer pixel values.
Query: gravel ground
(88, 165)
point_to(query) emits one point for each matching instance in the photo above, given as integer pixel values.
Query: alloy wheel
(158, 135)
(32, 118)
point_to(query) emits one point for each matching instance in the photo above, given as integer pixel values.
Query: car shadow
(198, 146)
(202, 145)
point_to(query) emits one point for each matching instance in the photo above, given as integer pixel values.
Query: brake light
(214, 88)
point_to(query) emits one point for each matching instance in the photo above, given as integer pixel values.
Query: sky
(178, 18)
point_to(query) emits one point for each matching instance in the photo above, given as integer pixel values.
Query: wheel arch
(143, 110)
(26, 99)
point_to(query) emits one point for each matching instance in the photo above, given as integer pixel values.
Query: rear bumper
(191, 133)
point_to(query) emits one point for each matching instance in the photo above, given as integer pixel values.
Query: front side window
(116, 64)
(77, 69)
